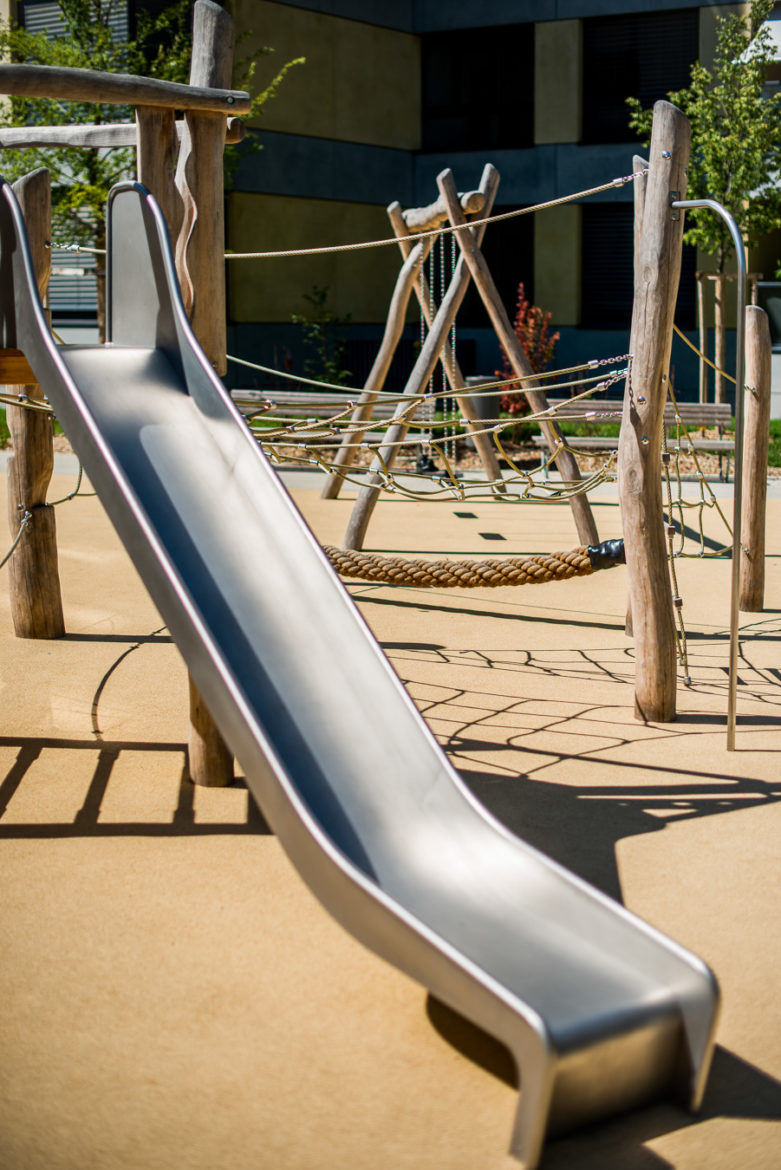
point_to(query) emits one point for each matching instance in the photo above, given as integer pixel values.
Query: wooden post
(156, 159)
(639, 452)
(719, 349)
(200, 251)
(414, 253)
(423, 369)
(703, 324)
(483, 444)
(476, 264)
(200, 262)
(36, 601)
(638, 164)
(394, 327)
(755, 447)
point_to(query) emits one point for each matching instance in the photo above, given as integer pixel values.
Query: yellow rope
(702, 356)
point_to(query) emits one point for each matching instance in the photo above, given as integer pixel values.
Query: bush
(531, 326)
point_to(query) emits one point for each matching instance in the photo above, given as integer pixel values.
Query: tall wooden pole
(156, 161)
(703, 326)
(720, 349)
(756, 428)
(639, 452)
(638, 166)
(200, 262)
(200, 250)
(424, 367)
(394, 327)
(476, 265)
(482, 441)
(36, 602)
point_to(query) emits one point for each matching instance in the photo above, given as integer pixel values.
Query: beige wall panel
(557, 235)
(359, 283)
(557, 81)
(359, 83)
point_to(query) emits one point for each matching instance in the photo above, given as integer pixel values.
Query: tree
(82, 178)
(736, 136)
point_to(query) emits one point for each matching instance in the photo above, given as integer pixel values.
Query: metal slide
(600, 1011)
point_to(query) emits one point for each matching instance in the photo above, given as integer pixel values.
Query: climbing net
(407, 423)
(287, 439)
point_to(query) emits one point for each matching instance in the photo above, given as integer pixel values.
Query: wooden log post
(640, 184)
(702, 320)
(424, 367)
(200, 249)
(756, 430)
(157, 153)
(719, 348)
(394, 327)
(483, 444)
(639, 452)
(200, 262)
(476, 264)
(414, 253)
(36, 601)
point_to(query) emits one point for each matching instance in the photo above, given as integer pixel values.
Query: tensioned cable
(701, 355)
(471, 391)
(415, 236)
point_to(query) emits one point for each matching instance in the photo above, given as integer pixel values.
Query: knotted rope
(490, 574)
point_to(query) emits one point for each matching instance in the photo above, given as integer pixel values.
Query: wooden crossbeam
(15, 369)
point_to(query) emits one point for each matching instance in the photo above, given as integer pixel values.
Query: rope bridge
(469, 574)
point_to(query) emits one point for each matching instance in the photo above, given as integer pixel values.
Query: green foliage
(323, 338)
(532, 328)
(736, 134)
(82, 178)
(774, 447)
(5, 434)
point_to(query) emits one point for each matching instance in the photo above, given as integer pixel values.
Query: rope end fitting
(607, 554)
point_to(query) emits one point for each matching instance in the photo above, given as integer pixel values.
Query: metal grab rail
(740, 363)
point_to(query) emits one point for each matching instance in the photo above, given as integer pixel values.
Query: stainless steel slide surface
(600, 1011)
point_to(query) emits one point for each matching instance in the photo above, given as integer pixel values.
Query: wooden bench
(302, 404)
(694, 415)
(306, 404)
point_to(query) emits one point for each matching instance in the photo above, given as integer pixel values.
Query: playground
(174, 995)
(524, 752)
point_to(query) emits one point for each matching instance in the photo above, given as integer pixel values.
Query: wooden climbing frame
(470, 266)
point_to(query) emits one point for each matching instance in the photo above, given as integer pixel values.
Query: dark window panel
(508, 248)
(642, 55)
(478, 88)
(607, 287)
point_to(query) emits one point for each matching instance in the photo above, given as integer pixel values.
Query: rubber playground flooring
(172, 997)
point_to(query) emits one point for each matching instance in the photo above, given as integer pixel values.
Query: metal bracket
(675, 214)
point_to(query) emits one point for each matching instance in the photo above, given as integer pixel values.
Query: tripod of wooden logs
(456, 211)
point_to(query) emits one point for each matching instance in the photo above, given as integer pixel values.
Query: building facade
(394, 91)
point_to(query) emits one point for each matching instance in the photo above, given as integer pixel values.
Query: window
(607, 281)
(478, 88)
(508, 248)
(642, 55)
(45, 16)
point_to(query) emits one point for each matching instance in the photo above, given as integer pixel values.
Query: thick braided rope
(452, 574)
